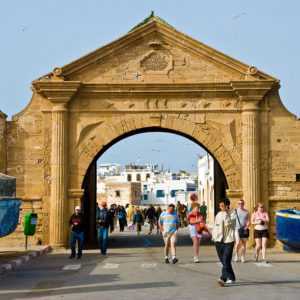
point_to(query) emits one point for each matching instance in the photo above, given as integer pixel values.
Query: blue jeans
(79, 238)
(224, 251)
(102, 238)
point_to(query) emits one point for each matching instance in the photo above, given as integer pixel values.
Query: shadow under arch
(89, 182)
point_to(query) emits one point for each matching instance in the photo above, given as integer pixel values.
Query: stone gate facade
(153, 77)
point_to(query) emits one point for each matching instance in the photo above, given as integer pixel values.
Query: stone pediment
(155, 52)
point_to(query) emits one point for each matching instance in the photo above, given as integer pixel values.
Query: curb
(15, 263)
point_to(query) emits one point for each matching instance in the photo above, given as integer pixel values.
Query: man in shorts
(169, 223)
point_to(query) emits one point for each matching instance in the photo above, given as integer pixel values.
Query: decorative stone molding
(57, 91)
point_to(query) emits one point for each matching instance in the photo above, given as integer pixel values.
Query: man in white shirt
(224, 236)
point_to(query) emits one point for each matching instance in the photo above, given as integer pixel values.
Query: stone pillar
(58, 203)
(251, 154)
(250, 94)
(59, 93)
(3, 149)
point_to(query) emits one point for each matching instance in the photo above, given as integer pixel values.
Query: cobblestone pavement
(134, 269)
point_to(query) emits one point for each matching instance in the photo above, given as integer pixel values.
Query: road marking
(263, 265)
(71, 267)
(111, 266)
(149, 265)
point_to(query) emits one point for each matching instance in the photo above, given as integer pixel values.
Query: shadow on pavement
(57, 291)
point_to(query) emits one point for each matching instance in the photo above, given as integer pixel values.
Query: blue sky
(37, 36)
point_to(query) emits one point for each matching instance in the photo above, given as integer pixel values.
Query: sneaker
(174, 260)
(196, 259)
(229, 281)
(243, 259)
(236, 258)
(167, 260)
(221, 282)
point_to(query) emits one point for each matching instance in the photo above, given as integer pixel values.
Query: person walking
(241, 231)
(169, 224)
(196, 227)
(76, 223)
(122, 217)
(113, 214)
(260, 220)
(138, 220)
(158, 212)
(104, 220)
(223, 236)
(151, 217)
(203, 210)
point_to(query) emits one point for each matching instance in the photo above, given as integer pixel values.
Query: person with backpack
(122, 217)
(104, 220)
(138, 220)
(197, 227)
(151, 218)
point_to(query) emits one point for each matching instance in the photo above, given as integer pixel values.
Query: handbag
(243, 232)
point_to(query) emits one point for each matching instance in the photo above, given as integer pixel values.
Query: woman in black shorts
(260, 220)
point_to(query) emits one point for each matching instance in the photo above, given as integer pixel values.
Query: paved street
(133, 269)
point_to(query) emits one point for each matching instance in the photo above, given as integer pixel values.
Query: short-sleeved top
(192, 217)
(243, 217)
(169, 221)
(263, 216)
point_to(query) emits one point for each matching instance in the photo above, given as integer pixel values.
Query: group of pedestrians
(230, 231)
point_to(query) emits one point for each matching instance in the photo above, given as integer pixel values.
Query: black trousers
(224, 251)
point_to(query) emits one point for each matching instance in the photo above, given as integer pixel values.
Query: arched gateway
(153, 77)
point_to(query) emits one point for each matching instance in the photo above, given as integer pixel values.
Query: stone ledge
(19, 261)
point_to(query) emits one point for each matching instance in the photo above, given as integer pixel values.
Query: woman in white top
(260, 220)
(223, 236)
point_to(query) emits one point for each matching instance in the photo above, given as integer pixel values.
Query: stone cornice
(61, 92)
(58, 92)
(252, 90)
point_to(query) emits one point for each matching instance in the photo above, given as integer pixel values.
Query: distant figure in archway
(151, 218)
(203, 210)
(138, 220)
(122, 217)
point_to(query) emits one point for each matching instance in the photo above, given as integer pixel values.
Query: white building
(108, 169)
(206, 184)
(165, 190)
(157, 187)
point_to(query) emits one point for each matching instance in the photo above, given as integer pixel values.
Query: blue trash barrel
(9, 215)
(288, 228)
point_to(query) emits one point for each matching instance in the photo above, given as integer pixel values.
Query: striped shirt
(169, 221)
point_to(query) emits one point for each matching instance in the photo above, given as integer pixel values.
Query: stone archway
(153, 77)
(88, 181)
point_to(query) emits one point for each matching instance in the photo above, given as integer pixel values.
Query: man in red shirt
(77, 232)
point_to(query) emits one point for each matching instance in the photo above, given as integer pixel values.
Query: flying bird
(239, 16)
